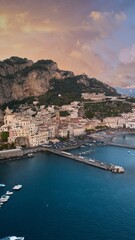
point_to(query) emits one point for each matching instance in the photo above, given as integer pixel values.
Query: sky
(95, 37)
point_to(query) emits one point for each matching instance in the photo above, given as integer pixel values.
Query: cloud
(79, 37)
(127, 55)
(122, 75)
(105, 23)
(96, 16)
(3, 21)
(75, 54)
(120, 16)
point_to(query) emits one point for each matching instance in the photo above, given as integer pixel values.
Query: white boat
(2, 185)
(30, 155)
(17, 187)
(9, 193)
(12, 238)
(4, 198)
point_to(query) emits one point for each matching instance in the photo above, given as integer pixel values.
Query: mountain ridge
(21, 78)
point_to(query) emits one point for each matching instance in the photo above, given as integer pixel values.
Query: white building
(130, 124)
(39, 138)
(63, 132)
(78, 130)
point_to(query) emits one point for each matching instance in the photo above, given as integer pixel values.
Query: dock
(19, 154)
(90, 162)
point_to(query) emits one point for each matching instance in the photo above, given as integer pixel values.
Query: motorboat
(9, 193)
(17, 187)
(4, 198)
(30, 155)
(2, 185)
(12, 238)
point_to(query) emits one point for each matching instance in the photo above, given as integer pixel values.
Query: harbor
(53, 186)
(62, 151)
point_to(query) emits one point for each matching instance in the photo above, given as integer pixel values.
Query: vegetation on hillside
(131, 99)
(70, 89)
(16, 103)
(64, 113)
(39, 65)
(4, 136)
(6, 146)
(106, 109)
(15, 60)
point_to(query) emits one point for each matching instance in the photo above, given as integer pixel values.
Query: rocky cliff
(21, 78)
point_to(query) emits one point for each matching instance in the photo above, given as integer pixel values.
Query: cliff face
(21, 78)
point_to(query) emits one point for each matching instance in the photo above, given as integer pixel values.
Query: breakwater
(19, 153)
(91, 162)
(12, 153)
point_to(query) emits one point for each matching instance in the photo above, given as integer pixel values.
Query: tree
(4, 136)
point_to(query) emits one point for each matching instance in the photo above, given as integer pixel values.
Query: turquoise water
(128, 139)
(65, 200)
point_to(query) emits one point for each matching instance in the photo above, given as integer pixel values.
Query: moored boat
(4, 198)
(30, 155)
(12, 238)
(2, 185)
(9, 193)
(17, 187)
(118, 169)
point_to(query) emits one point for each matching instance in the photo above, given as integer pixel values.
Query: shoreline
(27, 151)
(104, 137)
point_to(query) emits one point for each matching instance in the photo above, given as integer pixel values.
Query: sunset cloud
(95, 37)
(127, 55)
(105, 23)
(3, 22)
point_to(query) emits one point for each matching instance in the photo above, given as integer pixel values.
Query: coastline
(25, 153)
(106, 137)
(102, 137)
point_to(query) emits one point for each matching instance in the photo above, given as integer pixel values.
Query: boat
(30, 155)
(17, 187)
(4, 198)
(9, 193)
(12, 238)
(2, 185)
(118, 169)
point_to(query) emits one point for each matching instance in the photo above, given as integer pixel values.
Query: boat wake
(133, 154)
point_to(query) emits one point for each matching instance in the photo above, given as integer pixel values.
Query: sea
(62, 199)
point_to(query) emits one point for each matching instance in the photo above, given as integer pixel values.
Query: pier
(19, 153)
(91, 162)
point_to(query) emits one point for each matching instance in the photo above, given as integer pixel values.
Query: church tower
(57, 118)
(9, 116)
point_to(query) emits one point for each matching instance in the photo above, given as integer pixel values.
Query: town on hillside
(34, 125)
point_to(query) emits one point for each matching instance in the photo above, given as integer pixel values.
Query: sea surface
(126, 139)
(65, 200)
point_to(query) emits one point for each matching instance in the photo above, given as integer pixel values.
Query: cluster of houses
(47, 123)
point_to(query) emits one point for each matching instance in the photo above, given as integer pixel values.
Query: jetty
(90, 162)
(19, 154)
